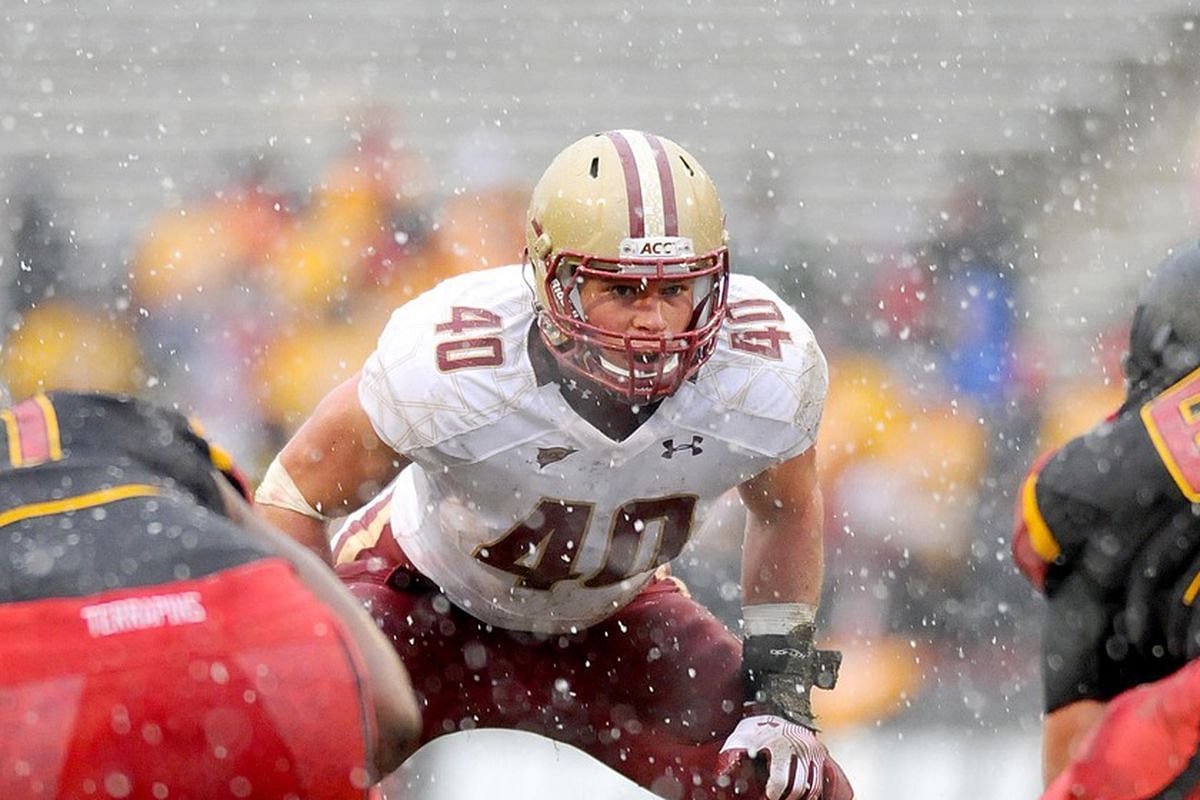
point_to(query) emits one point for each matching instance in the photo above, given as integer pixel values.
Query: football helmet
(627, 206)
(1164, 338)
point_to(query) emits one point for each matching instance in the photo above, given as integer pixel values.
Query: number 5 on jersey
(1173, 421)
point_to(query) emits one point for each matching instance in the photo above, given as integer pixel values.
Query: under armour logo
(670, 448)
(548, 455)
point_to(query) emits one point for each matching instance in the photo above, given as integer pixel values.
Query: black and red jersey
(1107, 526)
(99, 492)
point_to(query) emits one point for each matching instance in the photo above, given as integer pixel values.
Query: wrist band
(780, 664)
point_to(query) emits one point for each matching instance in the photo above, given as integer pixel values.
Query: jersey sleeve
(1093, 504)
(1079, 622)
(449, 361)
(399, 363)
(769, 372)
(812, 386)
(1034, 545)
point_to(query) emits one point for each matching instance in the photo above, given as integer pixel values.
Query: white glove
(799, 766)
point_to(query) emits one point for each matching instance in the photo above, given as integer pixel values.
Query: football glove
(799, 767)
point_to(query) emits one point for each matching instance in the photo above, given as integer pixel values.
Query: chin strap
(780, 671)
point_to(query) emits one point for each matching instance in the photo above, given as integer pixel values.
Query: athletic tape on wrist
(279, 490)
(776, 619)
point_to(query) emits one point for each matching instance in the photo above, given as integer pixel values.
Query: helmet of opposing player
(1164, 338)
(627, 206)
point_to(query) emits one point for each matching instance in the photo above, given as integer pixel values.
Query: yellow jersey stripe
(1043, 541)
(1192, 590)
(89, 500)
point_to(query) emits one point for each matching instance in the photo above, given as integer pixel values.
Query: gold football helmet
(627, 206)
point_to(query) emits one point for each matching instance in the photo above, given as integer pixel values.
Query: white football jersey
(526, 515)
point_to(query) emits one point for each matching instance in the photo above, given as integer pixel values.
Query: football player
(1107, 528)
(156, 640)
(555, 431)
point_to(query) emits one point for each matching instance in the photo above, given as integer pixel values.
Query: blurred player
(559, 429)
(1108, 529)
(158, 641)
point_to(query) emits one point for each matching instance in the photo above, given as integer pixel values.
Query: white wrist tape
(776, 619)
(279, 490)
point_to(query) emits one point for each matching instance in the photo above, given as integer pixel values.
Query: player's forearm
(783, 559)
(333, 464)
(782, 569)
(305, 530)
(1063, 731)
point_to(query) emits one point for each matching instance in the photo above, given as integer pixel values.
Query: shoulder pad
(450, 360)
(769, 367)
(1034, 547)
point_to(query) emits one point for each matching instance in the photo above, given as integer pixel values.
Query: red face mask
(636, 367)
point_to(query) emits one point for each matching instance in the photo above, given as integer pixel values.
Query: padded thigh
(652, 691)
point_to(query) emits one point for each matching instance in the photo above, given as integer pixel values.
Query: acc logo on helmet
(657, 247)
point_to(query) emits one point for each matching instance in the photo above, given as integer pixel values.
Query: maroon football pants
(652, 691)
(1145, 747)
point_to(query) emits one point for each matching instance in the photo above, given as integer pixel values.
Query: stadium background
(218, 203)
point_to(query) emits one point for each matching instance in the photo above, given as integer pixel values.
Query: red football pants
(1144, 748)
(652, 691)
(240, 684)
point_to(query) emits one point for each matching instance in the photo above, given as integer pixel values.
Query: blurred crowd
(256, 296)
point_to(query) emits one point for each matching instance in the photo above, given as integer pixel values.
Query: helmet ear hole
(541, 246)
(595, 169)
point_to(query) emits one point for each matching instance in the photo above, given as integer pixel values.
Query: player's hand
(799, 766)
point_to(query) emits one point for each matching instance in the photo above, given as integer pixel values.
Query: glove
(799, 766)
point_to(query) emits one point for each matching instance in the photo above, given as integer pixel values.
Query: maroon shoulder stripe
(633, 184)
(667, 182)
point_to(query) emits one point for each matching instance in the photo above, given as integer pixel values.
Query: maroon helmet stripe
(667, 182)
(633, 184)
